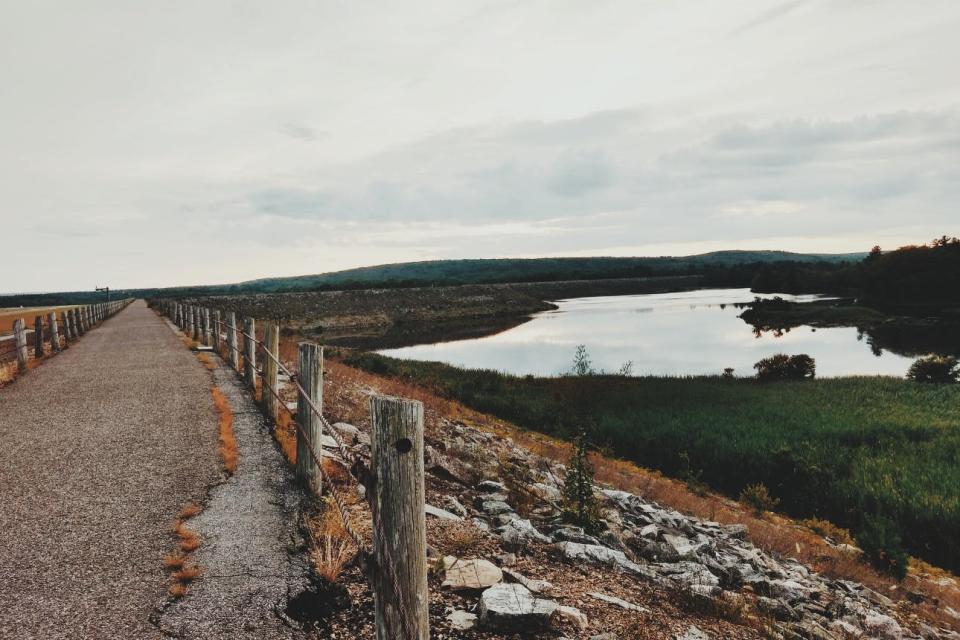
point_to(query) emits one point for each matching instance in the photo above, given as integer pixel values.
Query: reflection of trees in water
(908, 340)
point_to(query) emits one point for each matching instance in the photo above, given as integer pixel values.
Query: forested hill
(724, 267)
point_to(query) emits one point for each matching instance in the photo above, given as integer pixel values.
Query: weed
(174, 561)
(188, 573)
(332, 550)
(177, 590)
(228, 442)
(758, 498)
(189, 511)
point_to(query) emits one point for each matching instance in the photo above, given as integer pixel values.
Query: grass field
(846, 449)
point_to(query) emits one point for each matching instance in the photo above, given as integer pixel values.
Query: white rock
(462, 620)
(882, 627)
(693, 633)
(520, 532)
(623, 604)
(473, 574)
(597, 554)
(546, 492)
(512, 606)
(437, 512)
(536, 586)
(573, 616)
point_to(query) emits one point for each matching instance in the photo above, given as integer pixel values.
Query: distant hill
(728, 264)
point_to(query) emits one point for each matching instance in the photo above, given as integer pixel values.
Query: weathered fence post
(215, 326)
(54, 331)
(38, 337)
(271, 344)
(232, 339)
(65, 321)
(20, 337)
(310, 362)
(399, 522)
(250, 354)
(207, 338)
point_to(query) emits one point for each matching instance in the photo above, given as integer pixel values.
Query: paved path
(100, 447)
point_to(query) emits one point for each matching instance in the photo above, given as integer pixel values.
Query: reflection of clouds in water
(687, 333)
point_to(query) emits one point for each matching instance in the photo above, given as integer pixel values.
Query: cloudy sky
(181, 142)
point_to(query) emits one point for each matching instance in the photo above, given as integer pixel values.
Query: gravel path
(100, 447)
(252, 568)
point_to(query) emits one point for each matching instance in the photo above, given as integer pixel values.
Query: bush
(579, 505)
(882, 546)
(758, 498)
(784, 367)
(934, 368)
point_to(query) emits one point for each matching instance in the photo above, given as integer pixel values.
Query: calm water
(687, 333)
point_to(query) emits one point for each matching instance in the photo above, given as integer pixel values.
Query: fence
(53, 331)
(396, 564)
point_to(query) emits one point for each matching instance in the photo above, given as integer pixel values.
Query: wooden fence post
(399, 522)
(54, 331)
(310, 377)
(216, 330)
(20, 337)
(268, 386)
(65, 321)
(207, 338)
(250, 354)
(232, 339)
(38, 337)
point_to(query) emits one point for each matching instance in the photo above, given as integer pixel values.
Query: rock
(623, 604)
(495, 507)
(444, 466)
(512, 606)
(519, 532)
(776, 609)
(653, 550)
(535, 586)
(650, 531)
(573, 616)
(689, 573)
(595, 554)
(506, 559)
(546, 492)
(845, 629)
(693, 633)
(683, 547)
(480, 524)
(351, 435)
(455, 506)
(489, 486)
(573, 534)
(462, 620)
(474, 574)
(437, 512)
(737, 531)
(882, 627)
(604, 636)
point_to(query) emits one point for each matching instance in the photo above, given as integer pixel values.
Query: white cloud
(181, 142)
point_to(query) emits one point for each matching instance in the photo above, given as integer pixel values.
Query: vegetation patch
(228, 442)
(842, 449)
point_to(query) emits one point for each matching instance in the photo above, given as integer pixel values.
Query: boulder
(462, 620)
(512, 606)
(596, 554)
(455, 506)
(495, 507)
(882, 627)
(489, 486)
(520, 532)
(471, 575)
(546, 492)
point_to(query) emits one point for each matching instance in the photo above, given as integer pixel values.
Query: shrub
(783, 367)
(934, 368)
(581, 362)
(758, 498)
(579, 505)
(882, 546)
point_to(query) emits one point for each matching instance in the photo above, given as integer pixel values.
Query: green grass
(842, 449)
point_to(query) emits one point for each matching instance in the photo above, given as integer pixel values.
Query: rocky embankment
(503, 562)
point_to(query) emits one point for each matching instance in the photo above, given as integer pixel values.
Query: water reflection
(684, 333)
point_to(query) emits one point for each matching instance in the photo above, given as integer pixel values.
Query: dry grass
(285, 433)
(208, 364)
(332, 549)
(189, 511)
(228, 441)
(189, 541)
(346, 394)
(174, 561)
(177, 590)
(188, 573)
(8, 371)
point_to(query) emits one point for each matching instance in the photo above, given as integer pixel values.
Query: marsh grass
(841, 449)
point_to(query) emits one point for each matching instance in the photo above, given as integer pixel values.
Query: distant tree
(783, 367)
(579, 504)
(626, 369)
(875, 253)
(935, 369)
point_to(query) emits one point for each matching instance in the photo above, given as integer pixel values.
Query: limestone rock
(462, 620)
(512, 606)
(473, 574)
(623, 604)
(573, 616)
(535, 586)
(437, 512)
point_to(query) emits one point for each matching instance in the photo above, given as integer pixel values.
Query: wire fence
(404, 617)
(51, 331)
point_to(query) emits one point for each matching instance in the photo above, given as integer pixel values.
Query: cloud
(770, 15)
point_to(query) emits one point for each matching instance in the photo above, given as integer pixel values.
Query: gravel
(100, 447)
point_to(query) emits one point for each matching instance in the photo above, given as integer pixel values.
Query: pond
(683, 333)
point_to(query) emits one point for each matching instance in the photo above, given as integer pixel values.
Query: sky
(182, 142)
